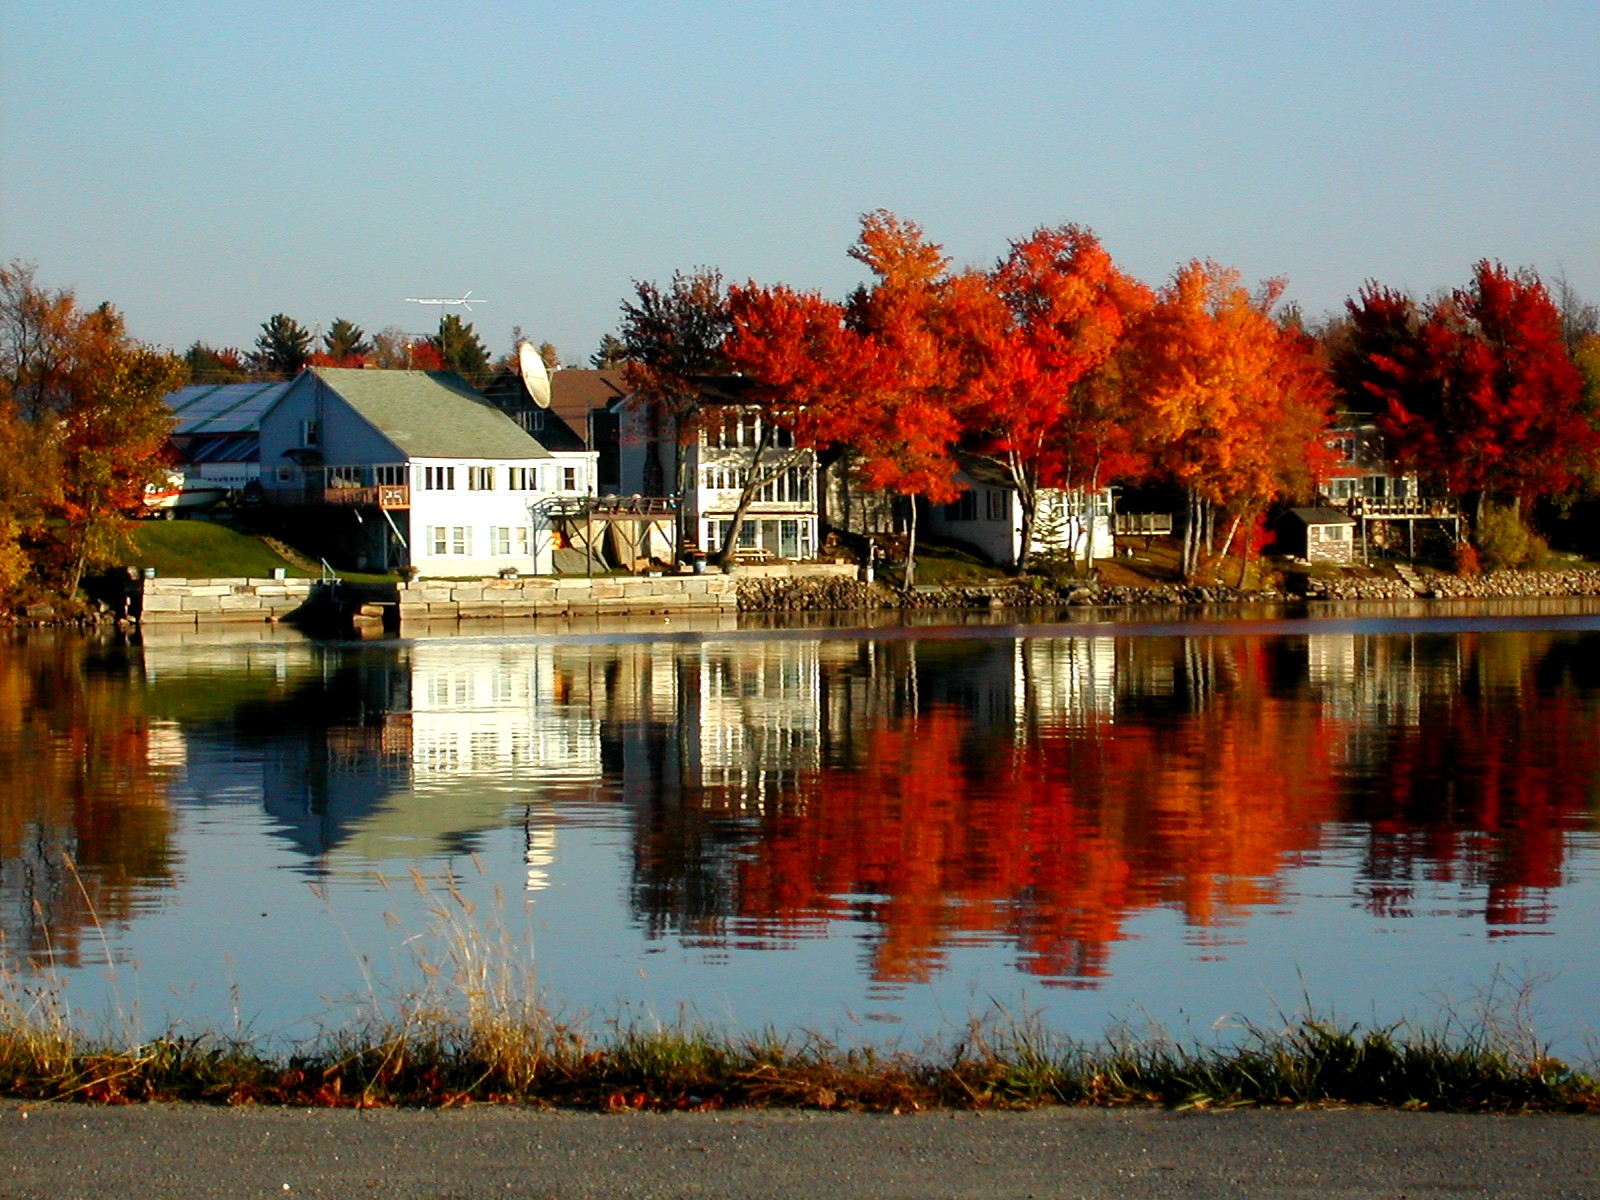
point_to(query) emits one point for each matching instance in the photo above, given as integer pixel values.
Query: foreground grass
(476, 1032)
(431, 1061)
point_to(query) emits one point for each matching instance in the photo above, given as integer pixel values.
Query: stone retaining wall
(192, 601)
(444, 600)
(820, 595)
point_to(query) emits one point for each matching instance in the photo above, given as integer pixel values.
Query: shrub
(1504, 541)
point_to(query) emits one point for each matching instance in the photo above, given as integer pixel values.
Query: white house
(437, 478)
(988, 517)
(720, 454)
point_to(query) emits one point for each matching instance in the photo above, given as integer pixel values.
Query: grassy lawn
(205, 550)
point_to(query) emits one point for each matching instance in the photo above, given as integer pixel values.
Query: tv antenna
(445, 302)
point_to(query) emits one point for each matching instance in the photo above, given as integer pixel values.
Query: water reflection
(920, 794)
(85, 828)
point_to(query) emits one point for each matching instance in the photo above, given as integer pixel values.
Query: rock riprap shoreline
(836, 595)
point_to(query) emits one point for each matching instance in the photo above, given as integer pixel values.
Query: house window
(310, 433)
(964, 509)
(451, 539)
(792, 487)
(509, 539)
(569, 479)
(999, 504)
(480, 479)
(523, 479)
(438, 479)
(286, 474)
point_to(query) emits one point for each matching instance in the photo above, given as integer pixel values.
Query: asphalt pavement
(177, 1152)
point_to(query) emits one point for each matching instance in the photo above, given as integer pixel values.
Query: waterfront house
(988, 517)
(416, 470)
(721, 451)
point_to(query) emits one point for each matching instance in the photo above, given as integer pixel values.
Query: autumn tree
(460, 349)
(392, 348)
(1232, 404)
(1064, 308)
(84, 402)
(916, 321)
(283, 347)
(1477, 390)
(611, 353)
(207, 364)
(672, 339)
(801, 371)
(345, 344)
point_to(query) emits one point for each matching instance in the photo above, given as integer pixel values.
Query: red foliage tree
(1064, 309)
(914, 375)
(1478, 390)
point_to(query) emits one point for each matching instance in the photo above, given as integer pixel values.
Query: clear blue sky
(204, 166)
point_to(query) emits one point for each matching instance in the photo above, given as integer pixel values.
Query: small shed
(1319, 535)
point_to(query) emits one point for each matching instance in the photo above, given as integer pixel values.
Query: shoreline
(495, 602)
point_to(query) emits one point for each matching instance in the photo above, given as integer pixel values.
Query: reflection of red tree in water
(1051, 843)
(1482, 793)
(943, 832)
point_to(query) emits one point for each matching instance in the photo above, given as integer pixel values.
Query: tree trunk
(911, 548)
(680, 463)
(1227, 543)
(1029, 506)
(754, 482)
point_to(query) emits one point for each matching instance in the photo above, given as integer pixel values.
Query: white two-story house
(720, 455)
(433, 477)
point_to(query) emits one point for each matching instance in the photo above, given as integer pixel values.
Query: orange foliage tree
(801, 370)
(918, 371)
(92, 398)
(1232, 403)
(1477, 391)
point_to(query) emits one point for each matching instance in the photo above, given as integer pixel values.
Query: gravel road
(176, 1152)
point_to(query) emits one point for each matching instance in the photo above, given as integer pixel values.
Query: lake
(874, 834)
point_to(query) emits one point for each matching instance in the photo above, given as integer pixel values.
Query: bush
(1504, 541)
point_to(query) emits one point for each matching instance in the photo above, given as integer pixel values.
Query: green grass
(943, 565)
(205, 550)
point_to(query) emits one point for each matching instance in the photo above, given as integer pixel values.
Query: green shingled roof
(431, 414)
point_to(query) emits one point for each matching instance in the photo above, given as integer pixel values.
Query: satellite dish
(534, 376)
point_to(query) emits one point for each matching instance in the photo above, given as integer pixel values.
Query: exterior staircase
(1410, 577)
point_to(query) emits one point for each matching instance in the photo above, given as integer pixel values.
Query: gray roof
(1322, 516)
(222, 407)
(430, 414)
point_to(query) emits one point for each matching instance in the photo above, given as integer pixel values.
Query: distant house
(988, 517)
(433, 476)
(1362, 475)
(1318, 535)
(576, 409)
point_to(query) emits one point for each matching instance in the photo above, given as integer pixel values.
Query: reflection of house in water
(1066, 681)
(1379, 681)
(756, 709)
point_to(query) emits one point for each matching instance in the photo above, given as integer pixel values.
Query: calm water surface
(873, 834)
